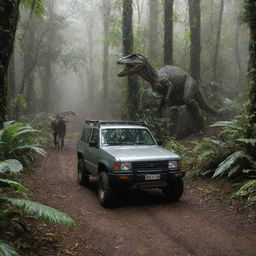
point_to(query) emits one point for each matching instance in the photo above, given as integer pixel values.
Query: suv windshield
(128, 136)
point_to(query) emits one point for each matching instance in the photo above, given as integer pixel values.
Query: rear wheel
(106, 194)
(82, 173)
(174, 190)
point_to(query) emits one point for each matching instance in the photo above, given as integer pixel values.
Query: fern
(11, 166)
(13, 184)
(249, 190)
(50, 215)
(18, 140)
(35, 148)
(226, 165)
(7, 250)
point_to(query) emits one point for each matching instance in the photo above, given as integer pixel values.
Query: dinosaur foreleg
(175, 116)
(189, 86)
(196, 117)
(161, 106)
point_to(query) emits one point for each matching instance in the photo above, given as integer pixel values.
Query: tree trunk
(241, 73)
(9, 12)
(46, 86)
(217, 44)
(29, 45)
(195, 30)
(153, 39)
(11, 78)
(106, 15)
(168, 32)
(251, 10)
(133, 90)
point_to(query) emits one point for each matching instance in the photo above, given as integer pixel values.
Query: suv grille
(152, 165)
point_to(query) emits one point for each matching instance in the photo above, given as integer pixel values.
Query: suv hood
(140, 153)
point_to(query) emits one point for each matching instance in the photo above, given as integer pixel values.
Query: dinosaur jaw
(127, 70)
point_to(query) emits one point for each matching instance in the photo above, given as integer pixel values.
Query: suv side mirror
(93, 143)
(159, 142)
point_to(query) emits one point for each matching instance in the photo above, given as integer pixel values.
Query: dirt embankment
(142, 224)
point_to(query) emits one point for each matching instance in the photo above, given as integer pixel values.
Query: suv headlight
(172, 164)
(123, 166)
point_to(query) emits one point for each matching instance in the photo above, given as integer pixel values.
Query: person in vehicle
(58, 127)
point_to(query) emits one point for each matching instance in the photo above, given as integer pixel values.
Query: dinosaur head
(133, 64)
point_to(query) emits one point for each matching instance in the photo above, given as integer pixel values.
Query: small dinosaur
(175, 85)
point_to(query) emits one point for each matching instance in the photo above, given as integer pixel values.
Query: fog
(72, 50)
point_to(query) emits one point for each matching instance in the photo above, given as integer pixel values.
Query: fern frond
(10, 183)
(11, 166)
(247, 141)
(35, 148)
(7, 250)
(229, 162)
(48, 214)
(227, 124)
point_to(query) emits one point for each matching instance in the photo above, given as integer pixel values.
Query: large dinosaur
(174, 84)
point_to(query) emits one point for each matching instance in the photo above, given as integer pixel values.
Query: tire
(106, 193)
(174, 190)
(82, 173)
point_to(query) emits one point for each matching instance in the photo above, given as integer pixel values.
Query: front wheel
(106, 193)
(82, 174)
(174, 190)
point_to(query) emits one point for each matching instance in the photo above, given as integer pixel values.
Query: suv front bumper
(138, 180)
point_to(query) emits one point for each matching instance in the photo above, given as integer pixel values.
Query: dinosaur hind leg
(195, 114)
(175, 117)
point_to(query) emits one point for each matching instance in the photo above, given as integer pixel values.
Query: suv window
(126, 136)
(86, 135)
(95, 136)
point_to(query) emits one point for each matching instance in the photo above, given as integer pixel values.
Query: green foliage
(175, 146)
(18, 140)
(248, 190)
(232, 164)
(228, 155)
(11, 166)
(7, 250)
(18, 106)
(12, 184)
(36, 6)
(48, 214)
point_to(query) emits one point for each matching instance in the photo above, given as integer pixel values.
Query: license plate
(152, 177)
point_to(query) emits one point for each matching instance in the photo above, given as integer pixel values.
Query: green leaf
(48, 214)
(19, 187)
(35, 148)
(11, 166)
(7, 250)
(248, 141)
(229, 162)
(227, 124)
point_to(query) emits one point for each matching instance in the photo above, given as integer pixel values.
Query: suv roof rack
(99, 122)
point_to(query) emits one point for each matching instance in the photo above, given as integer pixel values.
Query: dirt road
(143, 224)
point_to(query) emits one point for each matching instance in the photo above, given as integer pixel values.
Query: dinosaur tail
(203, 105)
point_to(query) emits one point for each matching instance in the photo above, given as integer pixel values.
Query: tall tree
(133, 90)
(106, 7)
(9, 11)
(168, 32)
(217, 43)
(250, 7)
(153, 39)
(195, 31)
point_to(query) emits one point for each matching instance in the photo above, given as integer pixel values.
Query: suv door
(83, 144)
(93, 152)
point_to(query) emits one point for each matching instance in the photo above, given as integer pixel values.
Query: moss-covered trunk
(168, 32)
(195, 31)
(251, 15)
(9, 11)
(133, 90)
